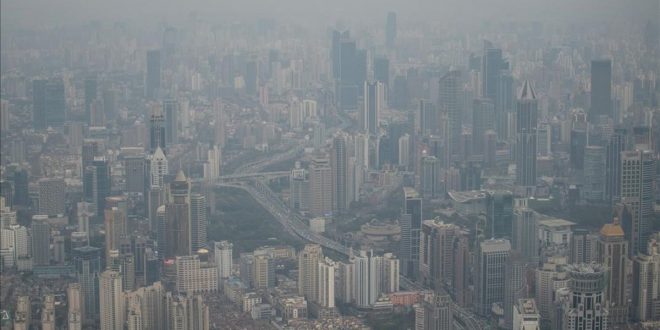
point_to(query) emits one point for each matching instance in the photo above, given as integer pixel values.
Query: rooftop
(556, 223)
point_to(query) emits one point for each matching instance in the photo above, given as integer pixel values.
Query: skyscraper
(526, 315)
(171, 112)
(492, 260)
(594, 173)
(437, 255)
(111, 301)
(483, 120)
(152, 79)
(616, 145)
(586, 309)
(525, 236)
(51, 198)
(390, 30)
(74, 305)
(157, 131)
(601, 89)
(448, 102)
(198, 221)
(637, 193)
(96, 184)
(491, 67)
(326, 283)
(178, 231)
(339, 164)
(526, 121)
(499, 215)
(134, 168)
(582, 247)
(223, 258)
(320, 186)
(158, 168)
(115, 230)
(48, 313)
(87, 262)
(373, 103)
(646, 282)
(48, 103)
(91, 93)
(308, 271)
(438, 312)
(411, 224)
(40, 241)
(430, 177)
(613, 255)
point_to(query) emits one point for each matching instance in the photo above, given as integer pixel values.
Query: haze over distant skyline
(43, 13)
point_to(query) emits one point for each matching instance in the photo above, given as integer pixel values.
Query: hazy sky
(48, 13)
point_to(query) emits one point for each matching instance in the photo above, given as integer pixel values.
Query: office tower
(577, 148)
(152, 79)
(171, 112)
(4, 116)
(601, 89)
(91, 92)
(504, 105)
(515, 286)
(111, 302)
(491, 69)
(427, 118)
(586, 309)
(90, 148)
(96, 183)
(438, 312)
(263, 271)
(152, 304)
(339, 164)
(251, 77)
(411, 224)
(245, 270)
(48, 103)
(594, 173)
(220, 120)
(158, 168)
(582, 247)
(21, 195)
(462, 268)
(194, 275)
(646, 282)
(109, 100)
(157, 129)
(382, 72)
(548, 278)
(492, 260)
(51, 196)
(299, 189)
(40, 241)
(525, 236)
(390, 30)
(326, 287)
(499, 215)
(223, 258)
(115, 229)
(483, 120)
(437, 254)
(526, 315)
(134, 169)
(404, 151)
(320, 186)
(335, 54)
(448, 103)
(373, 104)
(616, 145)
(526, 121)
(430, 177)
(48, 313)
(87, 262)
(637, 193)
(308, 271)
(178, 234)
(214, 163)
(198, 220)
(612, 254)
(74, 304)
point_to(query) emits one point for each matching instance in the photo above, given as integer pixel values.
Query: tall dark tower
(601, 89)
(448, 103)
(178, 227)
(339, 163)
(526, 120)
(97, 183)
(491, 69)
(171, 112)
(616, 145)
(390, 30)
(48, 103)
(39, 104)
(152, 81)
(156, 129)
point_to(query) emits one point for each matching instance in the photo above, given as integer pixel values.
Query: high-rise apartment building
(111, 301)
(320, 186)
(40, 241)
(308, 271)
(198, 221)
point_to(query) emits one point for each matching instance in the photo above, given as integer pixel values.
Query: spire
(527, 92)
(158, 153)
(180, 177)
